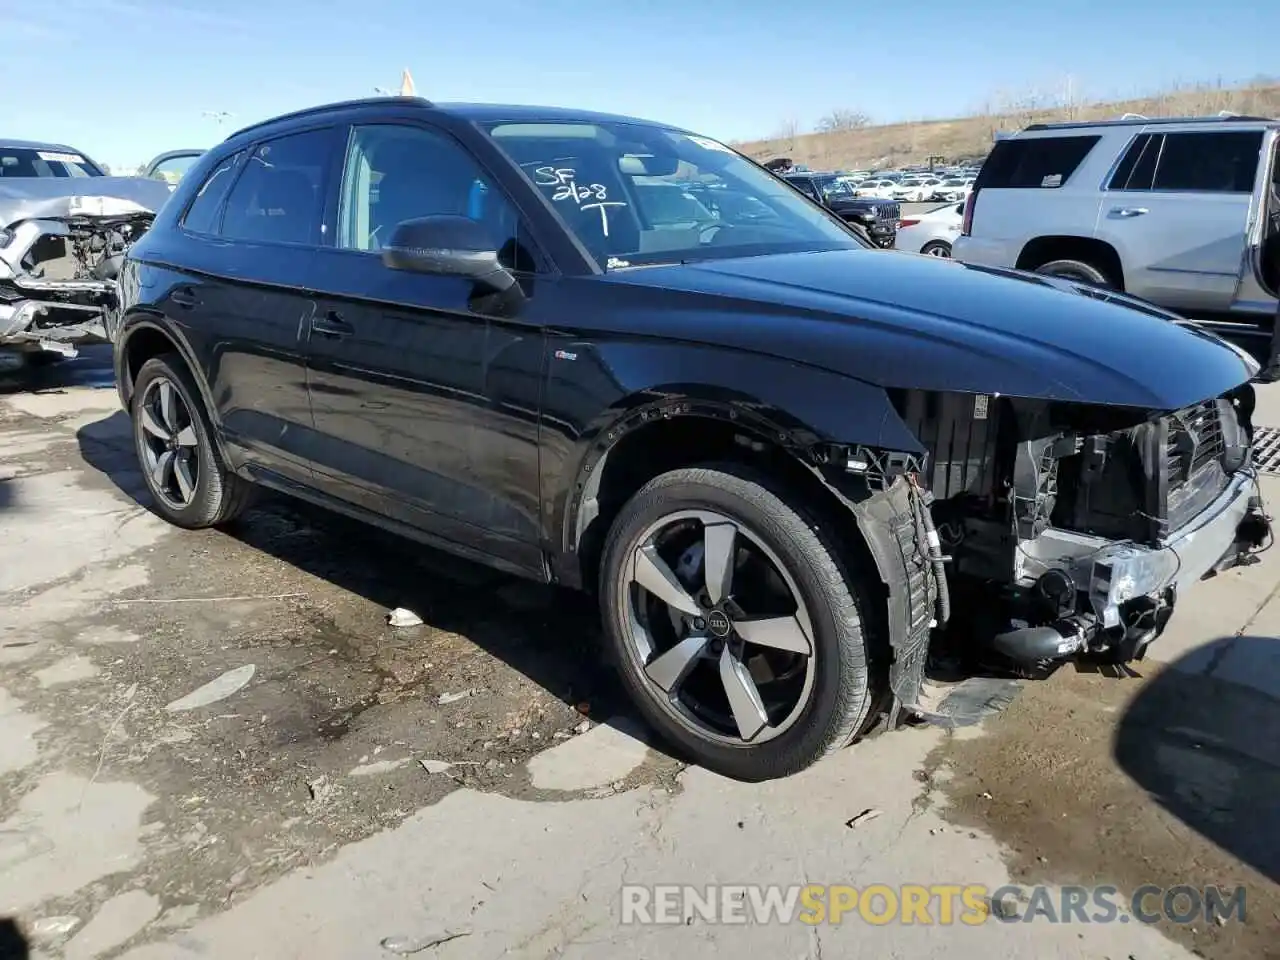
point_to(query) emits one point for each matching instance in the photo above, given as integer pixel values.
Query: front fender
(597, 393)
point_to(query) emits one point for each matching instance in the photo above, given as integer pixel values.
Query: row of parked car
(906, 186)
(619, 357)
(917, 189)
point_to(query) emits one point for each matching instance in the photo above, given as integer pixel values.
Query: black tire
(1077, 270)
(219, 496)
(842, 693)
(937, 248)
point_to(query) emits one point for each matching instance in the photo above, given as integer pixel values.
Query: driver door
(425, 408)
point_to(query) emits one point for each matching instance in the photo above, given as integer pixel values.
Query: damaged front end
(60, 254)
(1049, 529)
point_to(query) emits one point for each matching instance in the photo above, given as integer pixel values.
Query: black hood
(900, 320)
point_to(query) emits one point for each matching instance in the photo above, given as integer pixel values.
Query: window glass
(396, 172)
(173, 169)
(592, 174)
(1043, 162)
(21, 162)
(278, 197)
(1124, 178)
(1209, 162)
(202, 215)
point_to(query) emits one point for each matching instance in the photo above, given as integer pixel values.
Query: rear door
(1176, 210)
(243, 300)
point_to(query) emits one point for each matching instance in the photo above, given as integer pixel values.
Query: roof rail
(1133, 118)
(327, 107)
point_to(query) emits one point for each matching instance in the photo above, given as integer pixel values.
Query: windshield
(836, 188)
(635, 194)
(36, 162)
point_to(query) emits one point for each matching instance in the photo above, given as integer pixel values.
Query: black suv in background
(879, 218)
(620, 356)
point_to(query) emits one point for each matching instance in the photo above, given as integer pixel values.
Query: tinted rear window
(1208, 162)
(1040, 162)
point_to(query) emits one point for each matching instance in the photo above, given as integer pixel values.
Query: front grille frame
(889, 210)
(1185, 460)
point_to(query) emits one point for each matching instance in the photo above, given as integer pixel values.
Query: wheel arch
(794, 422)
(1099, 253)
(146, 334)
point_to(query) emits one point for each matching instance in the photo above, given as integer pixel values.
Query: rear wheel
(733, 623)
(1077, 270)
(937, 248)
(189, 483)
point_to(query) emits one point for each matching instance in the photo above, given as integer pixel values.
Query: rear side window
(279, 197)
(1040, 162)
(1209, 162)
(202, 215)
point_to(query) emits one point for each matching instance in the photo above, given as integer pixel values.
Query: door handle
(331, 325)
(184, 297)
(1128, 212)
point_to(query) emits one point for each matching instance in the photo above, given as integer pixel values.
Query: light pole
(218, 116)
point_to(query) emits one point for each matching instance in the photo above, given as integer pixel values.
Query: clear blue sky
(125, 79)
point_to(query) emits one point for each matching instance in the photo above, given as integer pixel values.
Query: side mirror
(447, 246)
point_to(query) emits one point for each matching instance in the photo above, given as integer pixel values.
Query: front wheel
(734, 625)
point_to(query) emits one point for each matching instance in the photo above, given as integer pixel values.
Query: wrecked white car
(64, 227)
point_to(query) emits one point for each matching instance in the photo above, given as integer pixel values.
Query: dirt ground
(194, 723)
(1066, 779)
(333, 738)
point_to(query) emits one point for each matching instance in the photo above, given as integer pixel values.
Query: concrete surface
(343, 789)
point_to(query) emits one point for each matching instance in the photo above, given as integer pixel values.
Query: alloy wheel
(169, 444)
(718, 629)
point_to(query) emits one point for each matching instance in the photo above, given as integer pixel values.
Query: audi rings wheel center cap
(718, 623)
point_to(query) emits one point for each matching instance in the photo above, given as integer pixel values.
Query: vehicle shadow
(13, 942)
(549, 635)
(1203, 738)
(92, 368)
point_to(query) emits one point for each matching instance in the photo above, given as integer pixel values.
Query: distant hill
(852, 143)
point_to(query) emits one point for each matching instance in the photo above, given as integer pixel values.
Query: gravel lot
(345, 781)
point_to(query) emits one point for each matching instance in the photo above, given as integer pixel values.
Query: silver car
(64, 228)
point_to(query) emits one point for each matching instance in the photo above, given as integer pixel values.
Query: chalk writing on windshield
(567, 187)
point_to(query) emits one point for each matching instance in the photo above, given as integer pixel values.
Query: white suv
(1184, 213)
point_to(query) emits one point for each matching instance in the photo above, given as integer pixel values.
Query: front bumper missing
(20, 326)
(1113, 575)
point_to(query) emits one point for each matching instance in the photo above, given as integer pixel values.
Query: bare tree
(843, 119)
